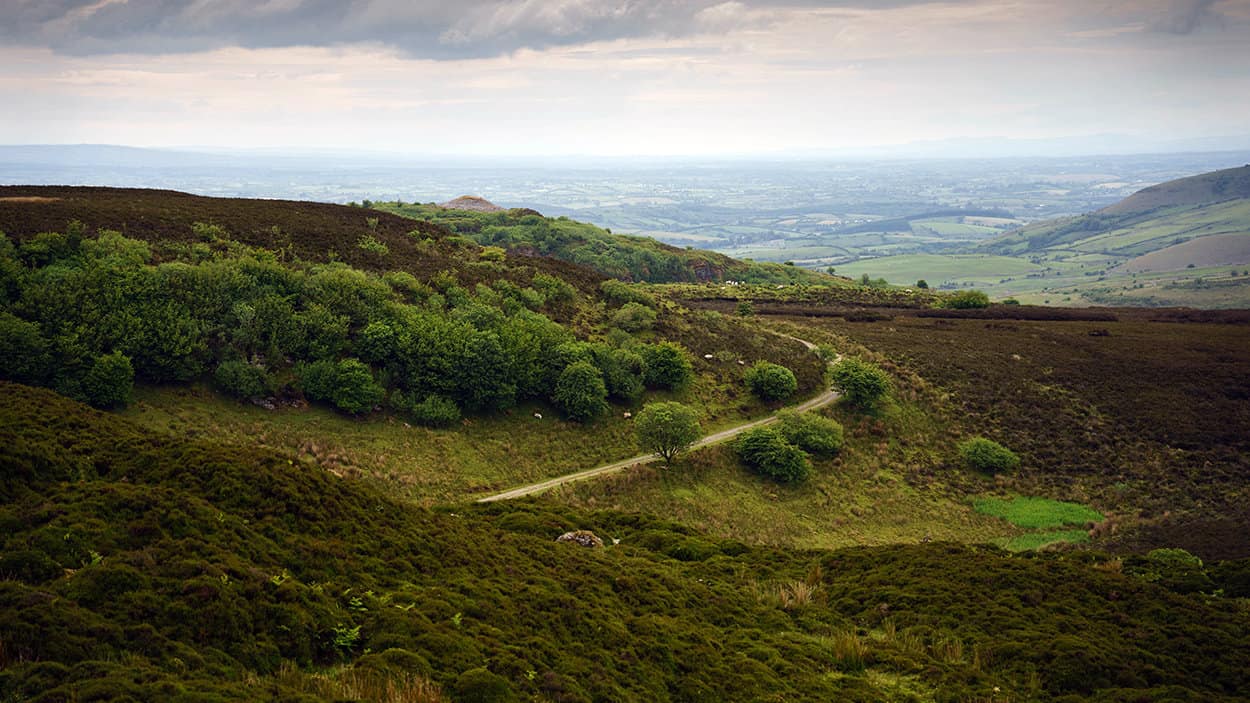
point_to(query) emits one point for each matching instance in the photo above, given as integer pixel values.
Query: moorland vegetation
(197, 545)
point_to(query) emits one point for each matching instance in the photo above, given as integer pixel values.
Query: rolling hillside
(1216, 203)
(297, 404)
(1184, 242)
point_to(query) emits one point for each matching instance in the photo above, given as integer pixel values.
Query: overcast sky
(617, 76)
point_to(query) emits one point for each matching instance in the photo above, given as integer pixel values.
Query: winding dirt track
(823, 399)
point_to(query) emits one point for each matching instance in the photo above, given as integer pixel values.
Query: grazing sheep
(538, 416)
(628, 415)
(707, 356)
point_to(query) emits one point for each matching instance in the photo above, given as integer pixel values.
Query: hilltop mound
(472, 203)
(1205, 188)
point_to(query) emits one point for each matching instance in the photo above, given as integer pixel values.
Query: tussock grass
(849, 650)
(354, 684)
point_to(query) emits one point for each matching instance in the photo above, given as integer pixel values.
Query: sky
(617, 77)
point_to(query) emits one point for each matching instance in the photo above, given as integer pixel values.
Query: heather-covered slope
(141, 567)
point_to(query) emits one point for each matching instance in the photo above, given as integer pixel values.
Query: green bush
(241, 379)
(667, 428)
(347, 384)
(667, 365)
(634, 317)
(986, 455)
(110, 382)
(619, 292)
(622, 371)
(554, 290)
(861, 383)
(770, 381)
(767, 452)
(966, 300)
(580, 392)
(810, 432)
(436, 411)
(23, 350)
(481, 686)
(378, 342)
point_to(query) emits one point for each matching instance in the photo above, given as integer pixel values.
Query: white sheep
(538, 416)
(628, 415)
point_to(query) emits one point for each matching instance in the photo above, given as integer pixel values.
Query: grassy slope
(862, 496)
(493, 452)
(198, 570)
(937, 269)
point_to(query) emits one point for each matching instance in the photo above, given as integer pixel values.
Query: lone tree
(862, 384)
(667, 428)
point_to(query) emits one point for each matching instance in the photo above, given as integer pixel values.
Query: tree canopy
(667, 428)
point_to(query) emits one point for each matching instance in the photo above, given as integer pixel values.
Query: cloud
(419, 28)
(1184, 16)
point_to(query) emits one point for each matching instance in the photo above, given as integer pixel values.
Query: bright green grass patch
(935, 268)
(1037, 513)
(1037, 540)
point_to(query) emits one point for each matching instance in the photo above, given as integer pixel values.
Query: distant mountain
(1211, 207)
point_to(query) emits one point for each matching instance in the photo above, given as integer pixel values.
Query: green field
(936, 268)
(946, 228)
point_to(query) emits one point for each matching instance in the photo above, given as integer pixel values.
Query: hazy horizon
(604, 78)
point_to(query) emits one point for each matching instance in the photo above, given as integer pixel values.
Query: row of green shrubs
(87, 316)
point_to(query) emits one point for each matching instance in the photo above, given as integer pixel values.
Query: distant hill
(1216, 203)
(1203, 189)
(624, 257)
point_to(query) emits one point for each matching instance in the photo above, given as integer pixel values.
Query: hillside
(1184, 242)
(313, 232)
(1203, 189)
(1215, 203)
(238, 574)
(297, 406)
(624, 257)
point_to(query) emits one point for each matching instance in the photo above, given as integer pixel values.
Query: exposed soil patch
(28, 199)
